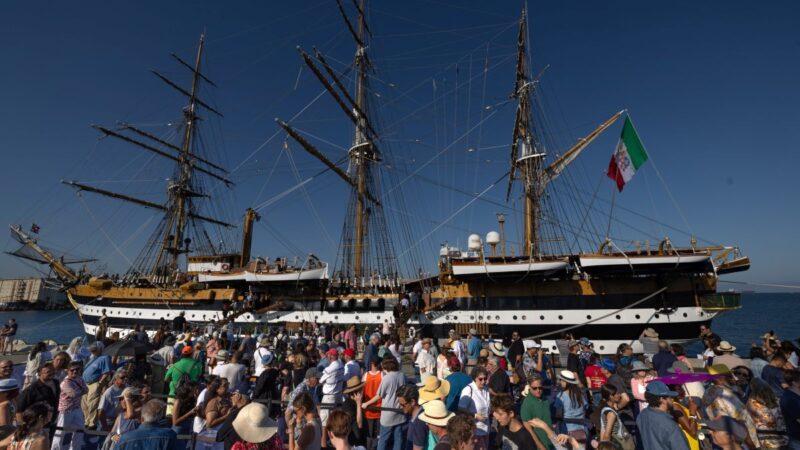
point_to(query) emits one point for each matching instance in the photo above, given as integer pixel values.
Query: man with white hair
(371, 352)
(149, 435)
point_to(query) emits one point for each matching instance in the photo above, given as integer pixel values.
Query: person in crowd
(574, 362)
(611, 427)
(9, 391)
(331, 380)
(498, 382)
(442, 369)
(139, 369)
(657, 429)
(228, 367)
(371, 350)
(61, 361)
(757, 361)
(680, 355)
(475, 401)
(226, 433)
(97, 374)
(664, 358)
(436, 416)
(128, 417)
(353, 399)
(185, 369)
(457, 347)
(267, 381)
(391, 422)
(351, 337)
(340, 425)
(214, 411)
(515, 350)
(9, 334)
(408, 400)
(559, 441)
(457, 380)
(788, 350)
(641, 376)
(179, 322)
(351, 366)
(307, 386)
(710, 343)
(6, 368)
(595, 378)
(514, 434)
(726, 433)
(721, 400)
(535, 405)
(299, 368)
(36, 358)
(70, 412)
(108, 407)
(460, 434)
(305, 429)
(149, 435)
(255, 429)
(763, 406)
(30, 433)
(258, 356)
(372, 381)
(395, 347)
(247, 348)
(573, 401)
(790, 407)
(425, 360)
(649, 341)
(725, 355)
(685, 412)
(415, 349)
(45, 389)
(772, 373)
(184, 410)
(474, 347)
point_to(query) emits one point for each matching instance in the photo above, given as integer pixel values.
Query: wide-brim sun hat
(8, 384)
(638, 366)
(222, 355)
(433, 388)
(651, 333)
(353, 384)
(484, 353)
(497, 348)
(435, 413)
(567, 376)
(679, 367)
(253, 423)
(725, 346)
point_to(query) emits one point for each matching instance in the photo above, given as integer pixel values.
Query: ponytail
(29, 419)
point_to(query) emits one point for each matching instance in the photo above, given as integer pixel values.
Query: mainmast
(527, 156)
(367, 259)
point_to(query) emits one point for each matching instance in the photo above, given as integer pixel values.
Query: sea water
(759, 313)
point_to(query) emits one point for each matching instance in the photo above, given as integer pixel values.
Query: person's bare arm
(605, 433)
(529, 428)
(359, 410)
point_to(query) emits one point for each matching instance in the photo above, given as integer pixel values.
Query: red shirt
(594, 376)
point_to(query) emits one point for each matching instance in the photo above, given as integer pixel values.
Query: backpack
(184, 376)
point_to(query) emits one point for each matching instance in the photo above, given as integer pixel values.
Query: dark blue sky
(711, 86)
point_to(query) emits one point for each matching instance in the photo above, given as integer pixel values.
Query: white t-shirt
(426, 362)
(234, 373)
(458, 349)
(477, 401)
(417, 347)
(257, 355)
(199, 423)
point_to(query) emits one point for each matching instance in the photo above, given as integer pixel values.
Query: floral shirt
(722, 401)
(768, 419)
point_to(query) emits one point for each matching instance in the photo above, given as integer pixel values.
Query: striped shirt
(72, 389)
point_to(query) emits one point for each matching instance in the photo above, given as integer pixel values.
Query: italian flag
(628, 157)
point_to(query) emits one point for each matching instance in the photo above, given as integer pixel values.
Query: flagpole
(611, 211)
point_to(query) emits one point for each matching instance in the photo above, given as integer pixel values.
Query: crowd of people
(340, 388)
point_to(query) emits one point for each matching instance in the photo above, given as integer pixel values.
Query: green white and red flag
(628, 157)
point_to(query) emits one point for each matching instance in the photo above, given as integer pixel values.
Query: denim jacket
(148, 437)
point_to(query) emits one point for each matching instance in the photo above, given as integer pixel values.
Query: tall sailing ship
(544, 290)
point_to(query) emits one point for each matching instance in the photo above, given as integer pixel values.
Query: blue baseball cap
(660, 389)
(323, 347)
(608, 364)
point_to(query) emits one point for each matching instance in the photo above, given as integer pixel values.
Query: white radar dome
(493, 238)
(474, 242)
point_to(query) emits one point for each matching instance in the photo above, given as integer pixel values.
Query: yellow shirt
(694, 444)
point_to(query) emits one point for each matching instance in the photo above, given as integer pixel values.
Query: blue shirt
(790, 406)
(659, 431)
(96, 367)
(474, 348)
(774, 378)
(370, 353)
(458, 381)
(148, 437)
(662, 361)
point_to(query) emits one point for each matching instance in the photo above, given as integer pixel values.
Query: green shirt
(534, 408)
(187, 366)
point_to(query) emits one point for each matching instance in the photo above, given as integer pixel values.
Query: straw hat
(567, 376)
(222, 355)
(726, 346)
(473, 331)
(484, 353)
(651, 333)
(433, 388)
(353, 384)
(497, 348)
(253, 424)
(719, 369)
(435, 413)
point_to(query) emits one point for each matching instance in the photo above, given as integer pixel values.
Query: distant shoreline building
(31, 293)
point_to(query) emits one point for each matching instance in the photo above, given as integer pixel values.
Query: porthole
(295, 317)
(701, 314)
(685, 315)
(589, 317)
(154, 314)
(555, 348)
(515, 317)
(480, 317)
(657, 316)
(356, 317)
(496, 317)
(541, 317)
(637, 316)
(602, 347)
(618, 317)
(560, 317)
(335, 317)
(524, 317)
(471, 317)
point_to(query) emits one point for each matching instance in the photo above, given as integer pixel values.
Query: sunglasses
(480, 379)
(537, 388)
